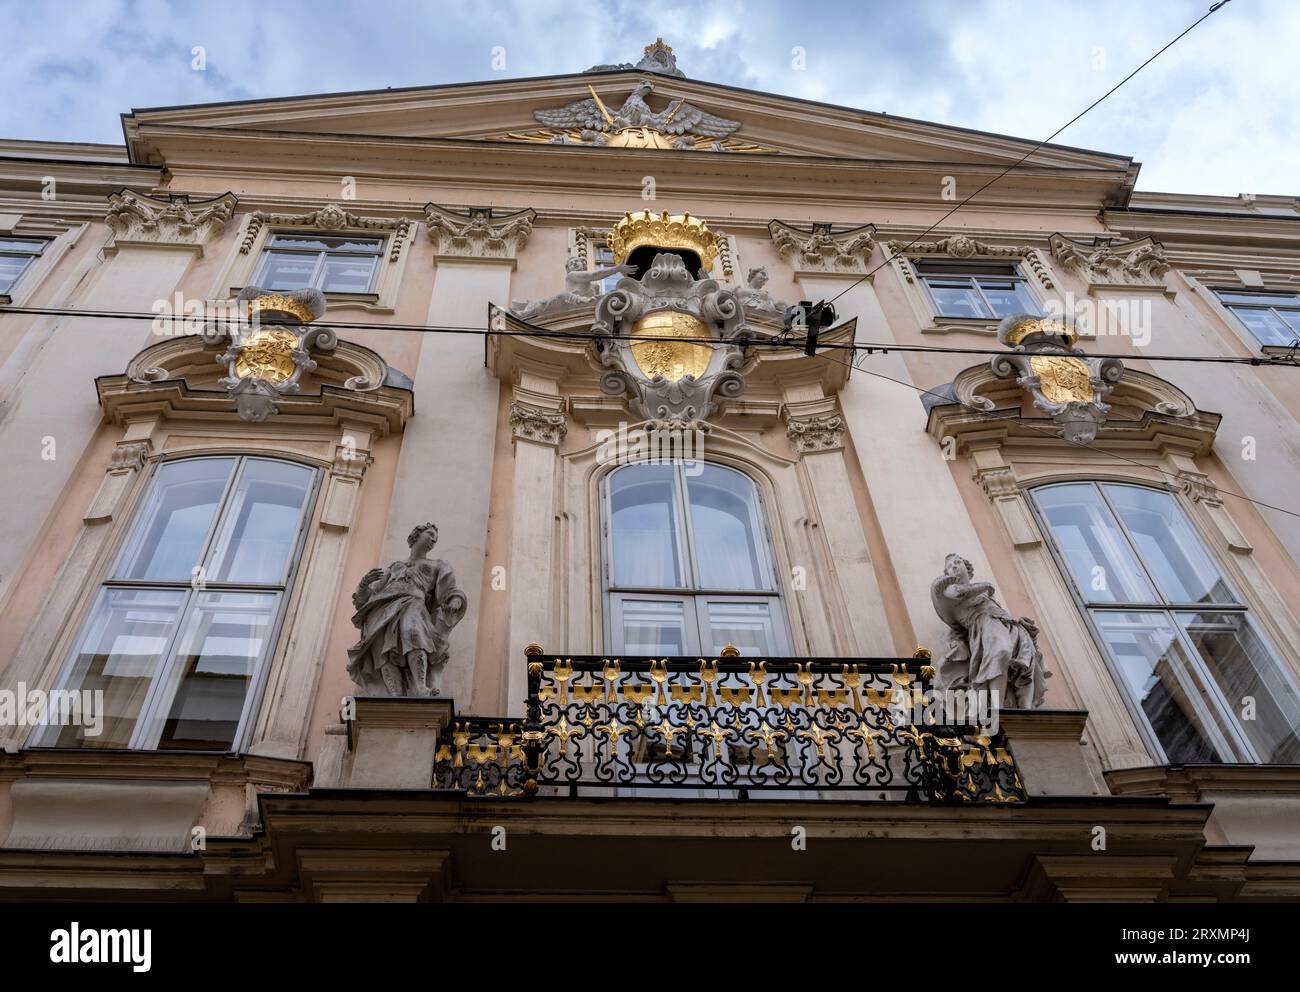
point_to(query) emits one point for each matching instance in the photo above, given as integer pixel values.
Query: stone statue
(755, 297)
(987, 648)
(578, 290)
(405, 613)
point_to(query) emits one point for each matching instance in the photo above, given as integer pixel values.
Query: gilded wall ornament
(1062, 380)
(267, 360)
(634, 124)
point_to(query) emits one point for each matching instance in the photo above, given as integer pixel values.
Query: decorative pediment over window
(331, 217)
(962, 247)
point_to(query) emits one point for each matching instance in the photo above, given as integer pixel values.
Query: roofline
(1128, 159)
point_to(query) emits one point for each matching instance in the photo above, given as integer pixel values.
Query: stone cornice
(963, 246)
(142, 219)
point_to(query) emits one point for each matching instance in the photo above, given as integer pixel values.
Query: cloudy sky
(1218, 113)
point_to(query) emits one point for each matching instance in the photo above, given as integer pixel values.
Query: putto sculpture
(758, 299)
(578, 290)
(405, 613)
(988, 649)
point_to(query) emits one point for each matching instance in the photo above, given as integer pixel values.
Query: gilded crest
(1063, 379)
(267, 355)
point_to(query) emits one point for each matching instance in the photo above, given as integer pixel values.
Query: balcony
(727, 728)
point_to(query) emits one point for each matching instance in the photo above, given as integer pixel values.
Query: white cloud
(1215, 114)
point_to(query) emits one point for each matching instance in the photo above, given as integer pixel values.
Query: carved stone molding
(820, 250)
(331, 217)
(529, 423)
(129, 456)
(478, 232)
(1199, 488)
(1101, 262)
(961, 246)
(139, 219)
(811, 434)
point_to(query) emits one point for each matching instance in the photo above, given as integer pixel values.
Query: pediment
(506, 112)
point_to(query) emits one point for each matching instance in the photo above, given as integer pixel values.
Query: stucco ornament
(988, 649)
(1061, 378)
(405, 614)
(579, 290)
(691, 342)
(266, 360)
(756, 298)
(658, 57)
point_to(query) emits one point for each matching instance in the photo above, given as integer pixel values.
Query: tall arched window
(179, 635)
(688, 566)
(1196, 670)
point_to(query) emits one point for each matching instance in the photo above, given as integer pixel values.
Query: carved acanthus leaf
(136, 218)
(331, 217)
(478, 232)
(819, 249)
(1101, 262)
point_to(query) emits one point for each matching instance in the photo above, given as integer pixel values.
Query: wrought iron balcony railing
(729, 727)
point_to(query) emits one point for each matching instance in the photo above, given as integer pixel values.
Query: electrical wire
(1025, 157)
(1047, 432)
(1288, 360)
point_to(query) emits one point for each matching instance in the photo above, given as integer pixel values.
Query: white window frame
(1262, 292)
(1215, 714)
(32, 258)
(963, 268)
(147, 729)
(694, 597)
(322, 255)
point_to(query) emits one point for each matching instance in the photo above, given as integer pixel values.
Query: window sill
(369, 302)
(983, 326)
(1274, 350)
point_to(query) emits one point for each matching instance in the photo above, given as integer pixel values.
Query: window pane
(724, 519)
(120, 653)
(1243, 667)
(749, 626)
(223, 640)
(22, 246)
(1170, 549)
(1153, 664)
(286, 270)
(643, 512)
(1008, 296)
(173, 525)
(654, 627)
(1292, 318)
(348, 273)
(259, 527)
(1265, 325)
(11, 267)
(956, 298)
(1100, 560)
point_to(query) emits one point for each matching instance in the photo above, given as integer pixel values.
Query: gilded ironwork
(728, 726)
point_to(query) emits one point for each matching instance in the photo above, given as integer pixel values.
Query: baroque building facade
(703, 556)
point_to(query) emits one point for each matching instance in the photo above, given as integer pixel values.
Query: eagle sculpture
(680, 118)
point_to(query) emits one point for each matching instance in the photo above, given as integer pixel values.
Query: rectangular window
(688, 564)
(16, 256)
(1178, 637)
(182, 629)
(1273, 318)
(988, 290)
(332, 263)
